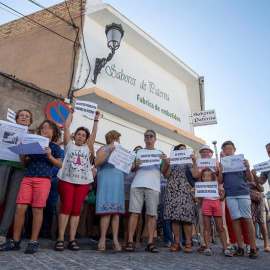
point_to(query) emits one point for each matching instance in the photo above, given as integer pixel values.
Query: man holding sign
(148, 165)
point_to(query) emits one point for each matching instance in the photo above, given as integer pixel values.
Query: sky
(227, 42)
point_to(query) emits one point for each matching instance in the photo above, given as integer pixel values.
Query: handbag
(255, 196)
(91, 198)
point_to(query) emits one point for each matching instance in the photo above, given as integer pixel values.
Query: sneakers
(3, 240)
(253, 254)
(247, 249)
(10, 245)
(239, 252)
(168, 245)
(233, 248)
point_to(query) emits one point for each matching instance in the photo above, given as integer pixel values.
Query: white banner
(233, 163)
(86, 108)
(262, 167)
(10, 135)
(122, 159)
(149, 157)
(180, 157)
(11, 116)
(206, 162)
(206, 189)
(204, 118)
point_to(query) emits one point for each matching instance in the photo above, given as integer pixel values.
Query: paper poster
(11, 116)
(233, 163)
(206, 162)
(262, 167)
(27, 149)
(181, 157)
(86, 108)
(149, 157)
(206, 189)
(31, 138)
(10, 135)
(122, 159)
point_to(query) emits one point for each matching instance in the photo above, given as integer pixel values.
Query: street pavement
(89, 258)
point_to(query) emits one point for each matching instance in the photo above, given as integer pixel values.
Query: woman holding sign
(110, 192)
(179, 205)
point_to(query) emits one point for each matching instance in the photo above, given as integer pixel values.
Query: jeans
(167, 228)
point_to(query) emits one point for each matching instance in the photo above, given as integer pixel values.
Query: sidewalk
(89, 258)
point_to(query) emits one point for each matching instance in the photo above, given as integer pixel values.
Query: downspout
(202, 94)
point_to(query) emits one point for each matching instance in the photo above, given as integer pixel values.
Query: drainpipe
(202, 95)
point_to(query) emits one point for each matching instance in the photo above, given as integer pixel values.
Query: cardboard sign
(86, 108)
(180, 157)
(204, 118)
(262, 167)
(233, 163)
(149, 157)
(206, 162)
(207, 189)
(11, 116)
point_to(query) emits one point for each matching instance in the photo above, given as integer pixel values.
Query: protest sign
(149, 157)
(206, 162)
(10, 135)
(31, 138)
(86, 108)
(203, 118)
(122, 159)
(262, 167)
(27, 149)
(11, 116)
(180, 157)
(206, 189)
(233, 163)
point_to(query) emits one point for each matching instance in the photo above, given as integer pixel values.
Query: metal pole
(215, 147)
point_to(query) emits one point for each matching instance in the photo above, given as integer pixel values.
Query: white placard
(204, 118)
(262, 167)
(11, 116)
(27, 149)
(10, 135)
(86, 108)
(233, 163)
(180, 157)
(206, 162)
(206, 189)
(122, 159)
(149, 157)
(31, 138)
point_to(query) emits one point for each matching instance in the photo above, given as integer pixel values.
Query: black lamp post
(114, 33)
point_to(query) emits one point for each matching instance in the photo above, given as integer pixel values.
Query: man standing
(145, 186)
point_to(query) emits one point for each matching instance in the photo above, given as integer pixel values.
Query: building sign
(204, 118)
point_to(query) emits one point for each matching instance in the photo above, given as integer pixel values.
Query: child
(238, 200)
(75, 178)
(212, 207)
(35, 187)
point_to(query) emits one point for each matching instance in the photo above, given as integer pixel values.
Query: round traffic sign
(57, 111)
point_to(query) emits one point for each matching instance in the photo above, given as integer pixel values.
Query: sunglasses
(148, 136)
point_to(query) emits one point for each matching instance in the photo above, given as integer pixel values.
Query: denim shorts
(239, 207)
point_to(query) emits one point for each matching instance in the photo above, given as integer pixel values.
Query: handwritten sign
(180, 157)
(262, 167)
(86, 108)
(204, 118)
(122, 159)
(149, 157)
(206, 162)
(233, 163)
(11, 116)
(206, 189)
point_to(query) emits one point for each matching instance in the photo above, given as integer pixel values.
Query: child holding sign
(35, 187)
(212, 207)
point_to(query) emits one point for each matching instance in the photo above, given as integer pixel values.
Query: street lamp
(215, 147)
(114, 33)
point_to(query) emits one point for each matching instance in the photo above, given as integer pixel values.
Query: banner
(206, 189)
(204, 118)
(122, 159)
(149, 157)
(262, 167)
(180, 157)
(233, 163)
(86, 108)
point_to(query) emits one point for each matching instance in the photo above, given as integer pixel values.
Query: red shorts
(212, 208)
(34, 191)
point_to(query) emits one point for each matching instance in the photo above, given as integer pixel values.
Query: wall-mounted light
(114, 33)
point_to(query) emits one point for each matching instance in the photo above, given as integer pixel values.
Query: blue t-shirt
(40, 165)
(235, 184)
(266, 175)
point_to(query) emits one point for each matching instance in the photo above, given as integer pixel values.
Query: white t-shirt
(76, 167)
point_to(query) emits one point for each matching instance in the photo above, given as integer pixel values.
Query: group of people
(28, 182)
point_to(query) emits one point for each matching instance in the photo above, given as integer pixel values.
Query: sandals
(151, 248)
(72, 245)
(175, 247)
(214, 241)
(31, 247)
(228, 253)
(188, 248)
(101, 246)
(129, 247)
(117, 247)
(207, 252)
(59, 245)
(201, 249)
(10, 245)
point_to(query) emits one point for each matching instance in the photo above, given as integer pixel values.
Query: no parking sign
(57, 111)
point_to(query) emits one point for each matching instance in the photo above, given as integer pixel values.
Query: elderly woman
(110, 200)
(11, 175)
(179, 206)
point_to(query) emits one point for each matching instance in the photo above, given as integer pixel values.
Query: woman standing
(110, 200)
(11, 174)
(179, 205)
